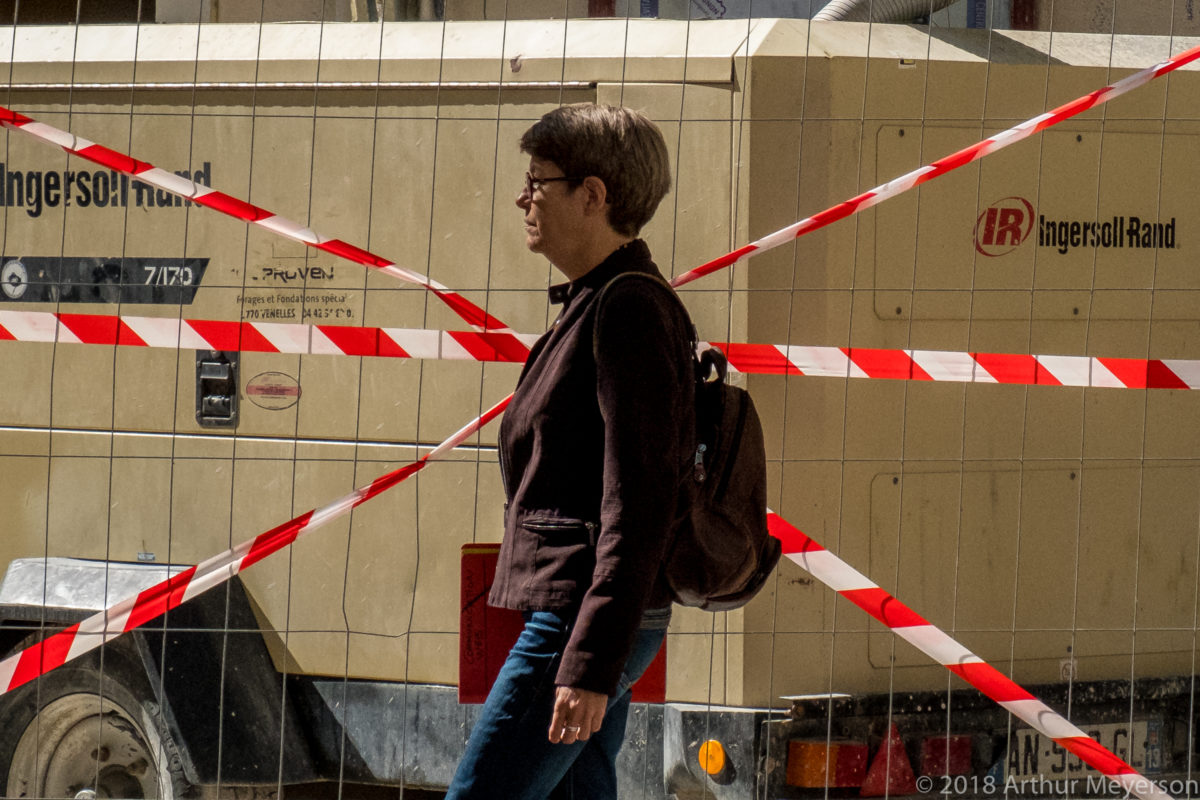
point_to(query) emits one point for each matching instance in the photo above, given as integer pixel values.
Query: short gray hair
(620, 146)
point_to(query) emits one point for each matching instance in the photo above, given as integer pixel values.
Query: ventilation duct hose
(879, 10)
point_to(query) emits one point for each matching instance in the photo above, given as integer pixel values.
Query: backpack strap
(598, 302)
(707, 364)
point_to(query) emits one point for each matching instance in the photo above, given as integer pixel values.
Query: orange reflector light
(826, 764)
(711, 757)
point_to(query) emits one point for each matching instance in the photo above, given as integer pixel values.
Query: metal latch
(216, 388)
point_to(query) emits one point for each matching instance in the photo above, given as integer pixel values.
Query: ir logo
(1003, 226)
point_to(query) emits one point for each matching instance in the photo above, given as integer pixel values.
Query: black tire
(80, 727)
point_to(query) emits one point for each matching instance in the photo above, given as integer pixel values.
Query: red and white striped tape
(942, 648)
(755, 359)
(964, 367)
(131, 612)
(208, 197)
(262, 337)
(942, 166)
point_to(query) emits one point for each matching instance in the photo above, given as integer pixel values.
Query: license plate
(1032, 755)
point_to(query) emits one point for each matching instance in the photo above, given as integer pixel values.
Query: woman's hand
(578, 714)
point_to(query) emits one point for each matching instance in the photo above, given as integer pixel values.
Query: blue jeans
(509, 756)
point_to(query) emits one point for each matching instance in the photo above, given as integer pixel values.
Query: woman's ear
(596, 195)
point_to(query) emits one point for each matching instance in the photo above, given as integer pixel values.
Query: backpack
(721, 553)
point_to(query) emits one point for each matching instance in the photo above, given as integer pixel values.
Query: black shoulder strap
(658, 279)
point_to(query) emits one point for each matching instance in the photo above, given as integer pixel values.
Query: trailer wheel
(80, 731)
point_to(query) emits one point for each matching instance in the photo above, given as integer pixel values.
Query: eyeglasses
(533, 184)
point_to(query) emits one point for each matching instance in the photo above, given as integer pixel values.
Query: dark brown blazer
(594, 447)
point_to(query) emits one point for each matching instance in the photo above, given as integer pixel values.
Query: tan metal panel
(1117, 16)
(967, 539)
(77, 507)
(31, 404)
(803, 418)
(24, 491)
(970, 502)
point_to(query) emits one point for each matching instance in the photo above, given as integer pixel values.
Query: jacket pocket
(564, 556)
